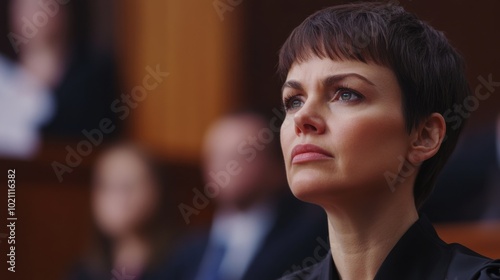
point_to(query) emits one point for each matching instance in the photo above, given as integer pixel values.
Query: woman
(367, 92)
(128, 203)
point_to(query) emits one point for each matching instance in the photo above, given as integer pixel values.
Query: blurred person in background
(253, 233)
(469, 187)
(128, 205)
(68, 81)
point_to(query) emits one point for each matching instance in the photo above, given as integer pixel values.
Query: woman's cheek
(286, 138)
(370, 144)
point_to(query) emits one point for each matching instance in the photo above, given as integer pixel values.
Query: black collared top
(420, 255)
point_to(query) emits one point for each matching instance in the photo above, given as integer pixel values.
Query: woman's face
(124, 196)
(344, 129)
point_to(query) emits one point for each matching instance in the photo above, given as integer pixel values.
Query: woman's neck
(363, 233)
(131, 254)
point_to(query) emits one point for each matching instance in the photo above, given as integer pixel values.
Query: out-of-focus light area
(104, 107)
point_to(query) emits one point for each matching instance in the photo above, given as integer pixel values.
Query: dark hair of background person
(98, 259)
(5, 46)
(429, 70)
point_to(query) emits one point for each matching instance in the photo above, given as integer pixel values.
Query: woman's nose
(308, 119)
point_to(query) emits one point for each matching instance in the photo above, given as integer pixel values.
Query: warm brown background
(214, 66)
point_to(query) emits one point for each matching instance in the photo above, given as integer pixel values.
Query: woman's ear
(427, 139)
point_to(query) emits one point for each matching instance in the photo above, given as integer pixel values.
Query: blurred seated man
(468, 188)
(259, 230)
(128, 210)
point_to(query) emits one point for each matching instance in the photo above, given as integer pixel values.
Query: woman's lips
(309, 152)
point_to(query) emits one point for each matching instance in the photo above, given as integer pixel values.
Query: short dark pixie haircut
(430, 72)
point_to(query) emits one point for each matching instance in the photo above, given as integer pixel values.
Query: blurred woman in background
(127, 202)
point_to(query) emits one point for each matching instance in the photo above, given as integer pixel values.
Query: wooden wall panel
(199, 50)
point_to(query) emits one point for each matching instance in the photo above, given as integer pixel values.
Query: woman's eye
(292, 103)
(347, 95)
(296, 103)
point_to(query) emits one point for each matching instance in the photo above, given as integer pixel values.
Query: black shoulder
(466, 264)
(489, 270)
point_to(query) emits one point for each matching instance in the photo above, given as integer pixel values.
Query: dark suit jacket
(418, 255)
(292, 238)
(85, 95)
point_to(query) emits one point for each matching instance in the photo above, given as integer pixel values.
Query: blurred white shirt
(24, 106)
(243, 234)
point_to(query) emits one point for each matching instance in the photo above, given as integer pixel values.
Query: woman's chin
(309, 190)
(314, 190)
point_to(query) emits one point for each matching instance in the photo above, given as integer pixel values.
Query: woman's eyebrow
(327, 82)
(291, 84)
(331, 80)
